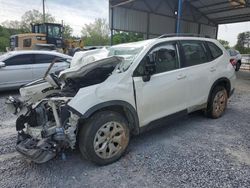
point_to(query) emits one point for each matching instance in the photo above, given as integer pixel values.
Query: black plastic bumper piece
(37, 151)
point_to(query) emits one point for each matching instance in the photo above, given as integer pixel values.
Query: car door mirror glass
(2, 64)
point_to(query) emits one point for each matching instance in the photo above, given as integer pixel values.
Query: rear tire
(104, 138)
(217, 103)
(237, 68)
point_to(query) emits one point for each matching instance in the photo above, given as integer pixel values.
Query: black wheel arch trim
(132, 112)
(223, 79)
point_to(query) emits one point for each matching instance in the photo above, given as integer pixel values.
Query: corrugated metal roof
(223, 11)
(217, 11)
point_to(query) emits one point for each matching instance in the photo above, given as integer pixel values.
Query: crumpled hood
(81, 59)
(87, 68)
(85, 62)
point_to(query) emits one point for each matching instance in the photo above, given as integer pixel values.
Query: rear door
(17, 72)
(42, 62)
(199, 70)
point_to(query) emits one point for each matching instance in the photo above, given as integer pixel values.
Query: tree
(123, 37)
(224, 43)
(243, 42)
(34, 16)
(4, 38)
(5, 34)
(96, 33)
(31, 16)
(12, 24)
(67, 31)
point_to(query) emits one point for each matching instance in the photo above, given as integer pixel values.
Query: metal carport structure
(156, 17)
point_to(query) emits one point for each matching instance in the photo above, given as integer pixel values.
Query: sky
(76, 13)
(229, 32)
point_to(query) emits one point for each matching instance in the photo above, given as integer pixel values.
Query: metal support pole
(148, 22)
(217, 29)
(112, 26)
(43, 11)
(179, 17)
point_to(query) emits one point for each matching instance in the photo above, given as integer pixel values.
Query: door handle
(181, 76)
(212, 69)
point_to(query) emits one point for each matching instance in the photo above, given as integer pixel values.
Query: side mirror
(149, 69)
(2, 64)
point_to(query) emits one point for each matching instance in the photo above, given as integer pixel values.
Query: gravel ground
(193, 151)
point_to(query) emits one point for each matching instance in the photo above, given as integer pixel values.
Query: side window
(194, 52)
(216, 51)
(27, 43)
(230, 52)
(44, 58)
(165, 59)
(24, 59)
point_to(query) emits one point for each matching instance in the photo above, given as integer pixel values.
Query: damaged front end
(46, 124)
(46, 129)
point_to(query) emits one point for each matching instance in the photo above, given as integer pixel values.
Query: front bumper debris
(14, 105)
(35, 150)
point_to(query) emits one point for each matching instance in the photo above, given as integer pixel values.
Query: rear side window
(27, 43)
(215, 50)
(24, 59)
(194, 52)
(44, 58)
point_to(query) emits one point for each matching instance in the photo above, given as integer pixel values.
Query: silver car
(18, 68)
(235, 58)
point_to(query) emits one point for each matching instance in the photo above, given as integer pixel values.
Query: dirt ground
(193, 151)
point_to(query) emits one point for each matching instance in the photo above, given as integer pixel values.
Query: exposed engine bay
(46, 124)
(46, 129)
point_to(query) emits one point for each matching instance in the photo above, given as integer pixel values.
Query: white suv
(107, 95)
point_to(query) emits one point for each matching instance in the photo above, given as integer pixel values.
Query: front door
(165, 92)
(17, 71)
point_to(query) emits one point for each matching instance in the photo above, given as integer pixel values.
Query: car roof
(21, 52)
(163, 39)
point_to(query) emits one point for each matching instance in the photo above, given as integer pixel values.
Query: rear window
(44, 58)
(215, 50)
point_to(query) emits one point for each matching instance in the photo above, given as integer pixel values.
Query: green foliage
(243, 43)
(9, 28)
(224, 43)
(97, 33)
(67, 31)
(123, 37)
(5, 34)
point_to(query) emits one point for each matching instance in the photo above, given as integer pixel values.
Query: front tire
(217, 103)
(104, 138)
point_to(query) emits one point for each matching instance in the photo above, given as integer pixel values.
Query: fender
(132, 114)
(217, 82)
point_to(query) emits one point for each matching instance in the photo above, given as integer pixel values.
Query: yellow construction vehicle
(45, 36)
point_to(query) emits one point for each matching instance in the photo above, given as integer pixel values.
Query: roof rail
(182, 35)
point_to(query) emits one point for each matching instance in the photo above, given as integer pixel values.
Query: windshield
(128, 53)
(54, 31)
(4, 56)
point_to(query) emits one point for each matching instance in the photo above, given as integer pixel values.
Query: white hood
(81, 59)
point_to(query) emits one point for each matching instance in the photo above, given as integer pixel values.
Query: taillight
(233, 62)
